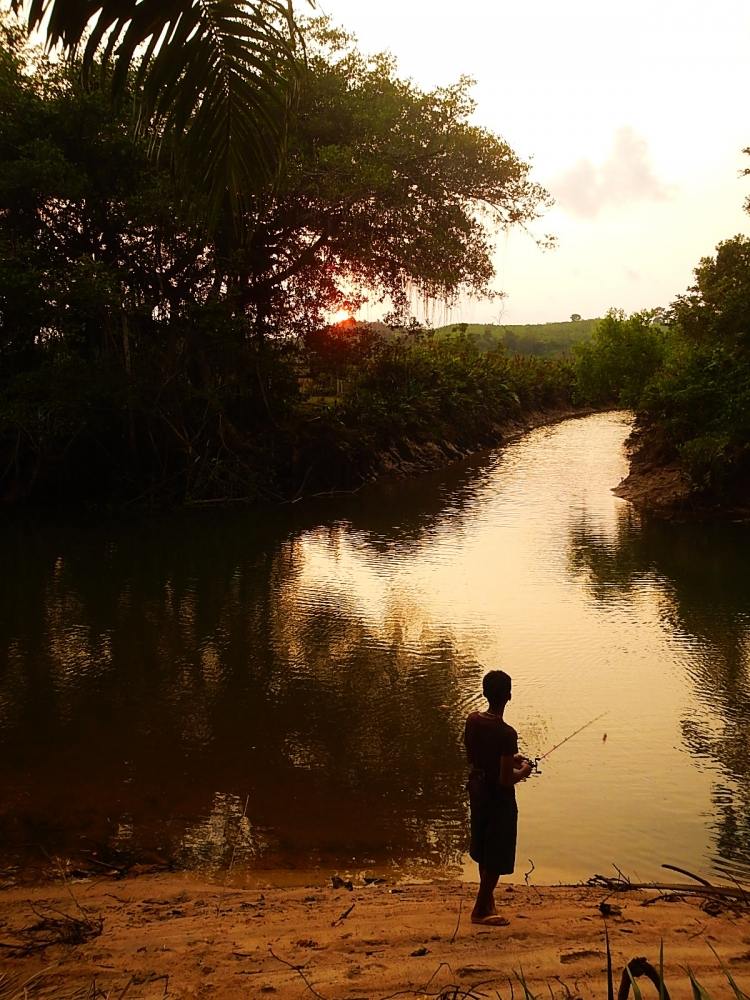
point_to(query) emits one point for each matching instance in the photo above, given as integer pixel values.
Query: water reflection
(147, 691)
(704, 586)
(288, 688)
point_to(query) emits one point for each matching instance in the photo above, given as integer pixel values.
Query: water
(287, 689)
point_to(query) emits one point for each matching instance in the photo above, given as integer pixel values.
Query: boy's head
(496, 687)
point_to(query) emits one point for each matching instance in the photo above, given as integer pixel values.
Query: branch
(298, 970)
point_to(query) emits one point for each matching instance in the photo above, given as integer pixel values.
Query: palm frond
(215, 78)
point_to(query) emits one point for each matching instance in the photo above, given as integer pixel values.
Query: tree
(623, 354)
(215, 79)
(388, 190)
(575, 318)
(717, 307)
(90, 230)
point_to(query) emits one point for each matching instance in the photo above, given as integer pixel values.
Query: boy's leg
(484, 906)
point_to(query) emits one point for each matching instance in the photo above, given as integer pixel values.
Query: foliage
(716, 309)
(540, 339)
(388, 189)
(215, 78)
(696, 409)
(145, 354)
(621, 357)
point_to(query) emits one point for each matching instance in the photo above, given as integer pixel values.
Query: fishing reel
(533, 762)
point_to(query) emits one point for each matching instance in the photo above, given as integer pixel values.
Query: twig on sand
(527, 875)
(298, 969)
(51, 929)
(666, 897)
(344, 915)
(458, 921)
(440, 966)
(61, 872)
(451, 991)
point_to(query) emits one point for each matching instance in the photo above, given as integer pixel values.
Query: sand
(178, 936)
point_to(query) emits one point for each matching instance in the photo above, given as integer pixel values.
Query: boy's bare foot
(491, 920)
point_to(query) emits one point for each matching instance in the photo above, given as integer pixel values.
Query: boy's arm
(511, 771)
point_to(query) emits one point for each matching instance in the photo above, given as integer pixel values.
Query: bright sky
(634, 115)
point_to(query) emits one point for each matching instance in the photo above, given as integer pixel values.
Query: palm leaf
(215, 78)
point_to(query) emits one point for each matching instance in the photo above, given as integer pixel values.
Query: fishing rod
(536, 760)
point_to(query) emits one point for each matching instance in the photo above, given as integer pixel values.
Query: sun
(340, 316)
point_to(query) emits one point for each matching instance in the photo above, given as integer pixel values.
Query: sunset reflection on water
(288, 689)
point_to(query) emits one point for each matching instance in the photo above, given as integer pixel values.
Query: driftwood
(700, 886)
(53, 927)
(614, 884)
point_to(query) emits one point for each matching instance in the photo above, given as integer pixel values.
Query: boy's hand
(525, 768)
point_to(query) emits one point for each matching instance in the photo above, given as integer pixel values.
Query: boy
(496, 767)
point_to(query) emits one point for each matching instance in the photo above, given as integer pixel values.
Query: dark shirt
(487, 739)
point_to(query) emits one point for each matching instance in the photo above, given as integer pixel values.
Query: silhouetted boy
(496, 767)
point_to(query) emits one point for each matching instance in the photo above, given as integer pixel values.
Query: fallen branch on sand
(298, 970)
(621, 883)
(52, 929)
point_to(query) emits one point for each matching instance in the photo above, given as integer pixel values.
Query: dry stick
(298, 970)
(111, 868)
(622, 875)
(740, 887)
(64, 878)
(344, 915)
(699, 890)
(440, 966)
(667, 897)
(127, 987)
(526, 877)
(684, 871)
(455, 932)
(449, 992)
(701, 929)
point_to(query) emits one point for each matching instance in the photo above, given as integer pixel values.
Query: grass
(545, 339)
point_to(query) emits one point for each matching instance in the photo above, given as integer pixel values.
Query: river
(285, 691)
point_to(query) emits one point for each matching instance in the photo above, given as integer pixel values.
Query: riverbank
(661, 487)
(400, 407)
(177, 936)
(408, 457)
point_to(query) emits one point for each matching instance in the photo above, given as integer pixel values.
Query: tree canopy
(145, 348)
(387, 188)
(213, 80)
(717, 307)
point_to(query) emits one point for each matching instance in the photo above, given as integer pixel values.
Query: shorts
(494, 826)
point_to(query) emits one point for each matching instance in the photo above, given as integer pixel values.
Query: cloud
(625, 177)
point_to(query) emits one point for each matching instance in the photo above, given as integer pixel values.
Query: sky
(633, 116)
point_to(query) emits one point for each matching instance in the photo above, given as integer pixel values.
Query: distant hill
(545, 339)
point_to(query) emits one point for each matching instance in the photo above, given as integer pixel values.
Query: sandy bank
(173, 935)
